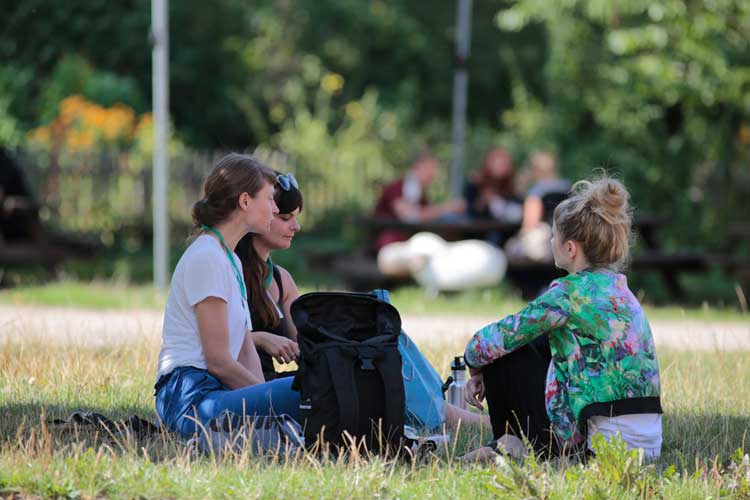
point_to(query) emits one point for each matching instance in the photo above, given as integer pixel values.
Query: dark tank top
(266, 361)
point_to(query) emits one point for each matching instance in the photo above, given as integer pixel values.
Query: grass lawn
(410, 300)
(706, 400)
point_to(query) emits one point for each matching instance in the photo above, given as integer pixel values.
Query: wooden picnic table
(530, 275)
(450, 231)
(645, 225)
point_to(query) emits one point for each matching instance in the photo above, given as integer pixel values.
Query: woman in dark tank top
(271, 289)
(280, 329)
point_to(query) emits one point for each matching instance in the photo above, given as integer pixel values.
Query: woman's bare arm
(290, 295)
(249, 356)
(214, 334)
(533, 210)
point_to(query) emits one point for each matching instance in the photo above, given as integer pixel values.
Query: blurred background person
(406, 199)
(546, 192)
(490, 192)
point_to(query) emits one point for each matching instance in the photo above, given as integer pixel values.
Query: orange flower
(82, 124)
(744, 134)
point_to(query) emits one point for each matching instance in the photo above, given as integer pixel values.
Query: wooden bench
(736, 259)
(359, 270)
(531, 277)
(14, 255)
(48, 254)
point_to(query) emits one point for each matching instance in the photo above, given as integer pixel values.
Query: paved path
(89, 327)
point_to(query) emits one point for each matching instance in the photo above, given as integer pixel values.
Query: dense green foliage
(230, 60)
(656, 90)
(114, 38)
(659, 90)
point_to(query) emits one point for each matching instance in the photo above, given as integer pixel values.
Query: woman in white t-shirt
(208, 364)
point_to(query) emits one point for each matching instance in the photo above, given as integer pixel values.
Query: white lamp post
(160, 104)
(460, 84)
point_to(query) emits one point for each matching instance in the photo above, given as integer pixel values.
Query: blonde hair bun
(605, 197)
(598, 215)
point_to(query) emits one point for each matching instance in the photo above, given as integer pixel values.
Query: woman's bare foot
(513, 446)
(485, 454)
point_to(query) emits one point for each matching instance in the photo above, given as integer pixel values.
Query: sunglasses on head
(287, 181)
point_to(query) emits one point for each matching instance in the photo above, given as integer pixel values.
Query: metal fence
(107, 191)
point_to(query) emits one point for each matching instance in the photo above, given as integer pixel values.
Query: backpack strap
(341, 364)
(394, 414)
(332, 336)
(392, 381)
(337, 338)
(341, 367)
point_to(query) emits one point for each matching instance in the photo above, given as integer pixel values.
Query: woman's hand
(456, 206)
(486, 195)
(475, 391)
(280, 348)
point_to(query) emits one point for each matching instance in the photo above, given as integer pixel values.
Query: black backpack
(349, 375)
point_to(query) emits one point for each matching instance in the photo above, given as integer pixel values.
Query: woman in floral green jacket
(603, 375)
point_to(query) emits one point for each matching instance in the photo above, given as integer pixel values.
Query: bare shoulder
(290, 286)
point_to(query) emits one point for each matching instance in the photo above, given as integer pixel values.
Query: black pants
(514, 388)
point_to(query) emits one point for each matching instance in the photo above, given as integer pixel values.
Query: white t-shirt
(204, 270)
(642, 430)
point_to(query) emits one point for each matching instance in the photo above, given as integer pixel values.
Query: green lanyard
(237, 272)
(269, 278)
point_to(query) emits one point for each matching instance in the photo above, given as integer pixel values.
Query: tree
(656, 89)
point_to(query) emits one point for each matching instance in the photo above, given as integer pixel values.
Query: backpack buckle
(367, 363)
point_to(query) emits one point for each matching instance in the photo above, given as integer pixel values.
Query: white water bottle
(457, 389)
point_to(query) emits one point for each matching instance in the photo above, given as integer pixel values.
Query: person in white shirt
(208, 364)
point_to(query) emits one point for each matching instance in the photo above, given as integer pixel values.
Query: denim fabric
(189, 393)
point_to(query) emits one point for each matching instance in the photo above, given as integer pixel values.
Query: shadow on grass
(690, 439)
(29, 427)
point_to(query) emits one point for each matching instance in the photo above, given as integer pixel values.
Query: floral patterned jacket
(603, 355)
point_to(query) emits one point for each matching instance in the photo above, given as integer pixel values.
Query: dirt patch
(92, 327)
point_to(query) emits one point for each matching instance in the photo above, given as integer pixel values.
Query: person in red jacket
(406, 200)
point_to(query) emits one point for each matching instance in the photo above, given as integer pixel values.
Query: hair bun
(609, 199)
(598, 215)
(200, 212)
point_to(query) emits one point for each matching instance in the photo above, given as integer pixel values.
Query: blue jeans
(188, 394)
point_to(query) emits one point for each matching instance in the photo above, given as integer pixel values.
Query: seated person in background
(406, 200)
(546, 191)
(545, 181)
(490, 193)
